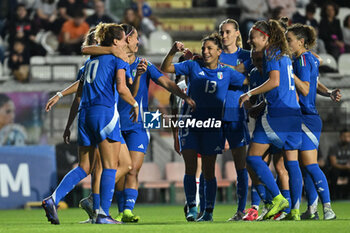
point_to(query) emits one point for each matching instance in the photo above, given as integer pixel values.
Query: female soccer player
(281, 125)
(135, 135)
(301, 39)
(208, 82)
(235, 120)
(98, 123)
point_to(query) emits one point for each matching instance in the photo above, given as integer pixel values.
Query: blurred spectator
(11, 134)
(346, 33)
(46, 14)
(72, 34)
(276, 13)
(309, 18)
(99, 15)
(320, 46)
(19, 61)
(330, 31)
(339, 159)
(144, 13)
(21, 28)
(66, 11)
(131, 18)
(251, 11)
(288, 7)
(302, 3)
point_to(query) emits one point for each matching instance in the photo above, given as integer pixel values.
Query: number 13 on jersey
(210, 87)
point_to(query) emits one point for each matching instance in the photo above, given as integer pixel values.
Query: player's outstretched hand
(141, 67)
(178, 47)
(66, 136)
(134, 113)
(51, 102)
(243, 98)
(335, 95)
(191, 103)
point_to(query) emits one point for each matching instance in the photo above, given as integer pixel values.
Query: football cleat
(51, 210)
(279, 203)
(206, 217)
(238, 216)
(119, 218)
(128, 216)
(264, 212)
(294, 215)
(101, 219)
(280, 216)
(191, 216)
(307, 215)
(328, 214)
(252, 215)
(87, 205)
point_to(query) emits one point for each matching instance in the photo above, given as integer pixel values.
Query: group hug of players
(281, 75)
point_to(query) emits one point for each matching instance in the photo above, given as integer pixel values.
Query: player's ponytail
(216, 38)
(305, 32)
(106, 33)
(277, 40)
(235, 24)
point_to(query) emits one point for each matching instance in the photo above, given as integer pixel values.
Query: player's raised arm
(167, 65)
(125, 93)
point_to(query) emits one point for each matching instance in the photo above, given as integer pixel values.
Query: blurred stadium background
(28, 173)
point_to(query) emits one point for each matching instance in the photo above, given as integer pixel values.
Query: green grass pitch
(168, 219)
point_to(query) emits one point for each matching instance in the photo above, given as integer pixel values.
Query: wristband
(249, 94)
(329, 92)
(135, 104)
(59, 94)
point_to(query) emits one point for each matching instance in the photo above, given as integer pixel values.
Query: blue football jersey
(99, 83)
(141, 97)
(232, 110)
(306, 69)
(80, 75)
(208, 87)
(282, 100)
(255, 80)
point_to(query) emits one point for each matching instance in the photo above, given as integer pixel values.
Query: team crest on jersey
(220, 75)
(134, 72)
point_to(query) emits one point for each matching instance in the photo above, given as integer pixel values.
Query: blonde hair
(105, 33)
(236, 26)
(90, 37)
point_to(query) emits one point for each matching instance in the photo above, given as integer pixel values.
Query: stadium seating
(174, 173)
(170, 3)
(328, 60)
(160, 42)
(344, 64)
(150, 178)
